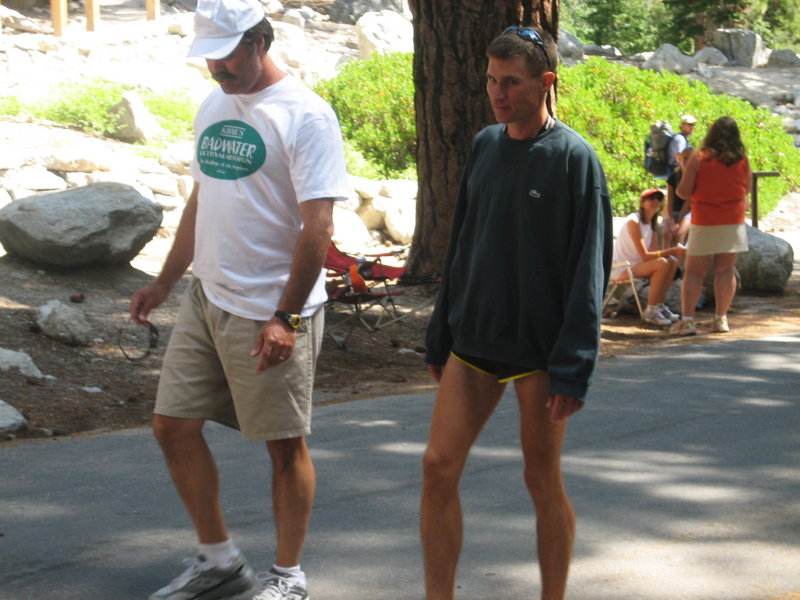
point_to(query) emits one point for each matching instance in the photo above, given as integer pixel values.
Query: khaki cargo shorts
(208, 372)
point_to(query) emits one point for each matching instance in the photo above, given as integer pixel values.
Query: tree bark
(450, 41)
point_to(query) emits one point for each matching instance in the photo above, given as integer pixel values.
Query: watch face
(290, 319)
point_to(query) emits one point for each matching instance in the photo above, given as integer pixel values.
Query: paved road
(683, 470)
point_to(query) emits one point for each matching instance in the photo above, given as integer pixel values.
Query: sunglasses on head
(529, 35)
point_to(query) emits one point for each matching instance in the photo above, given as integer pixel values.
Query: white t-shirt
(624, 247)
(258, 156)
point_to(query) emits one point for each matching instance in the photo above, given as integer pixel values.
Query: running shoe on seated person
(654, 316)
(203, 582)
(668, 313)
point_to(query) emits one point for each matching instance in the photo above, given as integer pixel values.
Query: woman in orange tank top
(716, 180)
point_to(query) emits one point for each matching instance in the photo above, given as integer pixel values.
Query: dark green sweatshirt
(528, 258)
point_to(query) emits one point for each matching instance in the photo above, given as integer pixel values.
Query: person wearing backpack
(680, 141)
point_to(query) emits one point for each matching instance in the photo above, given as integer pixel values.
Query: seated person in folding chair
(637, 243)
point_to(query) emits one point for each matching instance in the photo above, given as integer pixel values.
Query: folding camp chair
(360, 284)
(627, 278)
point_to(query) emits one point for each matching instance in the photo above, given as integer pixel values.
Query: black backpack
(656, 146)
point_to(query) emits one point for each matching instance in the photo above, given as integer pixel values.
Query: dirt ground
(95, 388)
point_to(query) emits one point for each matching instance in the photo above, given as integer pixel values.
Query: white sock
(220, 554)
(687, 318)
(719, 316)
(295, 572)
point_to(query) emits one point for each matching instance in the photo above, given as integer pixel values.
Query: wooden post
(92, 14)
(153, 9)
(58, 14)
(754, 194)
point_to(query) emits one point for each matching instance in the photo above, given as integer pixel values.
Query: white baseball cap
(220, 24)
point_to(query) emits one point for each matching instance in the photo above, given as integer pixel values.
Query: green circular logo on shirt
(230, 150)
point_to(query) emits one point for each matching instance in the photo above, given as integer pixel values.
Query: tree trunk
(450, 41)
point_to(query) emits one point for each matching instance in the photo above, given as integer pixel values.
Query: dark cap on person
(220, 24)
(652, 192)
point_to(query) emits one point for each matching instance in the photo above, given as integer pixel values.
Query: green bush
(85, 106)
(10, 106)
(88, 107)
(374, 100)
(174, 111)
(613, 106)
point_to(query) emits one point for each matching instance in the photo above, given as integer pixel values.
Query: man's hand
(146, 299)
(274, 345)
(562, 406)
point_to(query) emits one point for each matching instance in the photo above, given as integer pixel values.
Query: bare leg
(465, 400)
(661, 272)
(194, 474)
(724, 282)
(293, 485)
(555, 520)
(692, 283)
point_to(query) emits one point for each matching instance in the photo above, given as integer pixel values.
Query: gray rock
(569, 46)
(744, 48)
(10, 419)
(669, 58)
(385, 31)
(783, 58)
(605, 50)
(767, 265)
(11, 359)
(350, 11)
(710, 56)
(137, 123)
(63, 323)
(102, 223)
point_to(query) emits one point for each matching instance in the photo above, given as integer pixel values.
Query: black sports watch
(292, 320)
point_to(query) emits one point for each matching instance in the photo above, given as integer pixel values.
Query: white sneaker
(684, 328)
(278, 586)
(668, 313)
(200, 581)
(653, 315)
(721, 324)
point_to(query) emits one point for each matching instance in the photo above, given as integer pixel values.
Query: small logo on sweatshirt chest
(534, 194)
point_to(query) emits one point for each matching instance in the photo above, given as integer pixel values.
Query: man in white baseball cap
(680, 141)
(219, 26)
(268, 165)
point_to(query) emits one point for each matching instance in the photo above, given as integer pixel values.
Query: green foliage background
(613, 106)
(87, 106)
(374, 100)
(637, 25)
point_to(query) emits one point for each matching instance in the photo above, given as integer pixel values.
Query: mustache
(222, 76)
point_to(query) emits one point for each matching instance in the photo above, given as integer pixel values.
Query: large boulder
(744, 48)
(669, 58)
(783, 58)
(569, 46)
(350, 11)
(385, 31)
(711, 56)
(767, 265)
(102, 223)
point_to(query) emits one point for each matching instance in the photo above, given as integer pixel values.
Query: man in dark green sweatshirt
(523, 283)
